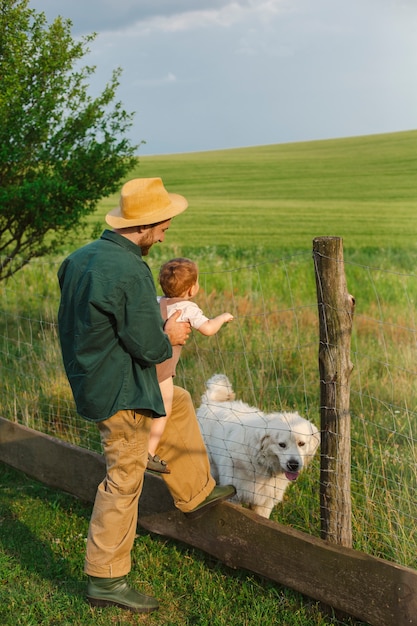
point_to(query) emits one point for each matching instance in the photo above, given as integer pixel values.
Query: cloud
(168, 79)
(212, 74)
(168, 15)
(223, 15)
(104, 15)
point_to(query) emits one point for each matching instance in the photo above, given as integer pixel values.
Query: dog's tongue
(292, 475)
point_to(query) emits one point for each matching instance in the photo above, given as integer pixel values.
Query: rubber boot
(219, 493)
(117, 592)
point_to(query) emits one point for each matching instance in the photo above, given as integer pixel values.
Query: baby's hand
(228, 317)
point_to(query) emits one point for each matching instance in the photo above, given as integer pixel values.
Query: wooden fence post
(335, 307)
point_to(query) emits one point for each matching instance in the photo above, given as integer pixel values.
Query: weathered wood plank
(370, 589)
(52, 461)
(367, 588)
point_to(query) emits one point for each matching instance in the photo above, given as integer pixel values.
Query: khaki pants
(125, 444)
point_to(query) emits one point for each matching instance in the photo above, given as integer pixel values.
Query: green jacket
(111, 329)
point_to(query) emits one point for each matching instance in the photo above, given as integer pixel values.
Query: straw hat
(145, 201)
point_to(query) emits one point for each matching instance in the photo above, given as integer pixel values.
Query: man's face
(153, 235)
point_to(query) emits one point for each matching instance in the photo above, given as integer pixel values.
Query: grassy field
(278, 198)
(252, 218)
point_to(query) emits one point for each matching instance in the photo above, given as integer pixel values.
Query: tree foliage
(60, 149)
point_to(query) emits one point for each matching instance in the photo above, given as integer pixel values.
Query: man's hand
(178, 332)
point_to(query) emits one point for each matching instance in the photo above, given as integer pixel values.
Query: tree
(60, 149)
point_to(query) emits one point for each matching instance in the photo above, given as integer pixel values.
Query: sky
(217, 74)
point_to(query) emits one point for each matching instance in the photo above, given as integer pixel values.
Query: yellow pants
(124, 438)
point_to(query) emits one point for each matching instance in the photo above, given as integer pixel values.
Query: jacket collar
(110, 235)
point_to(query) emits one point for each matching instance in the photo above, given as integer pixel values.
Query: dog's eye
(301, 443)
(282, 445)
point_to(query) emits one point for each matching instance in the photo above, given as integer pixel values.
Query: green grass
(42, 541)
(252, 218)
(280, 197)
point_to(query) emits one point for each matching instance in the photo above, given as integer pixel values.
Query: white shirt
(190, 312)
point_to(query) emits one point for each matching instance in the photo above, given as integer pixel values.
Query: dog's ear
(265, 448)
(265, 441)
(266, 456)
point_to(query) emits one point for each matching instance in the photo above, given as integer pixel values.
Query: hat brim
(177, 206)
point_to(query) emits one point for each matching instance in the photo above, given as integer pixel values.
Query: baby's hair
(177, 276)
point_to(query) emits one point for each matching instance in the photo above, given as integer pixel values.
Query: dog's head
(288, 445)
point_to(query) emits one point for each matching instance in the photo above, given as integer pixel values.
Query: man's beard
(147, 242)
(145, 249)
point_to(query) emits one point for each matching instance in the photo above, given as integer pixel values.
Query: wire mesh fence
(270, 355)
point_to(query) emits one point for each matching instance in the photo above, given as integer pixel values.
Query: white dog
(256, 452)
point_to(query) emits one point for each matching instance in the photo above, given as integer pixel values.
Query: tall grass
(270, 353)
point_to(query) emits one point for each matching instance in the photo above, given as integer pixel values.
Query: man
(112, 336)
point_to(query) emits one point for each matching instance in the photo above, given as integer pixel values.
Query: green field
(279, 198)
(252, 218)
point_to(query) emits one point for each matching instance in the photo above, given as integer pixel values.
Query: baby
(179, 282)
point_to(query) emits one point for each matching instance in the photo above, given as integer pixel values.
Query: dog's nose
(293, 465)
